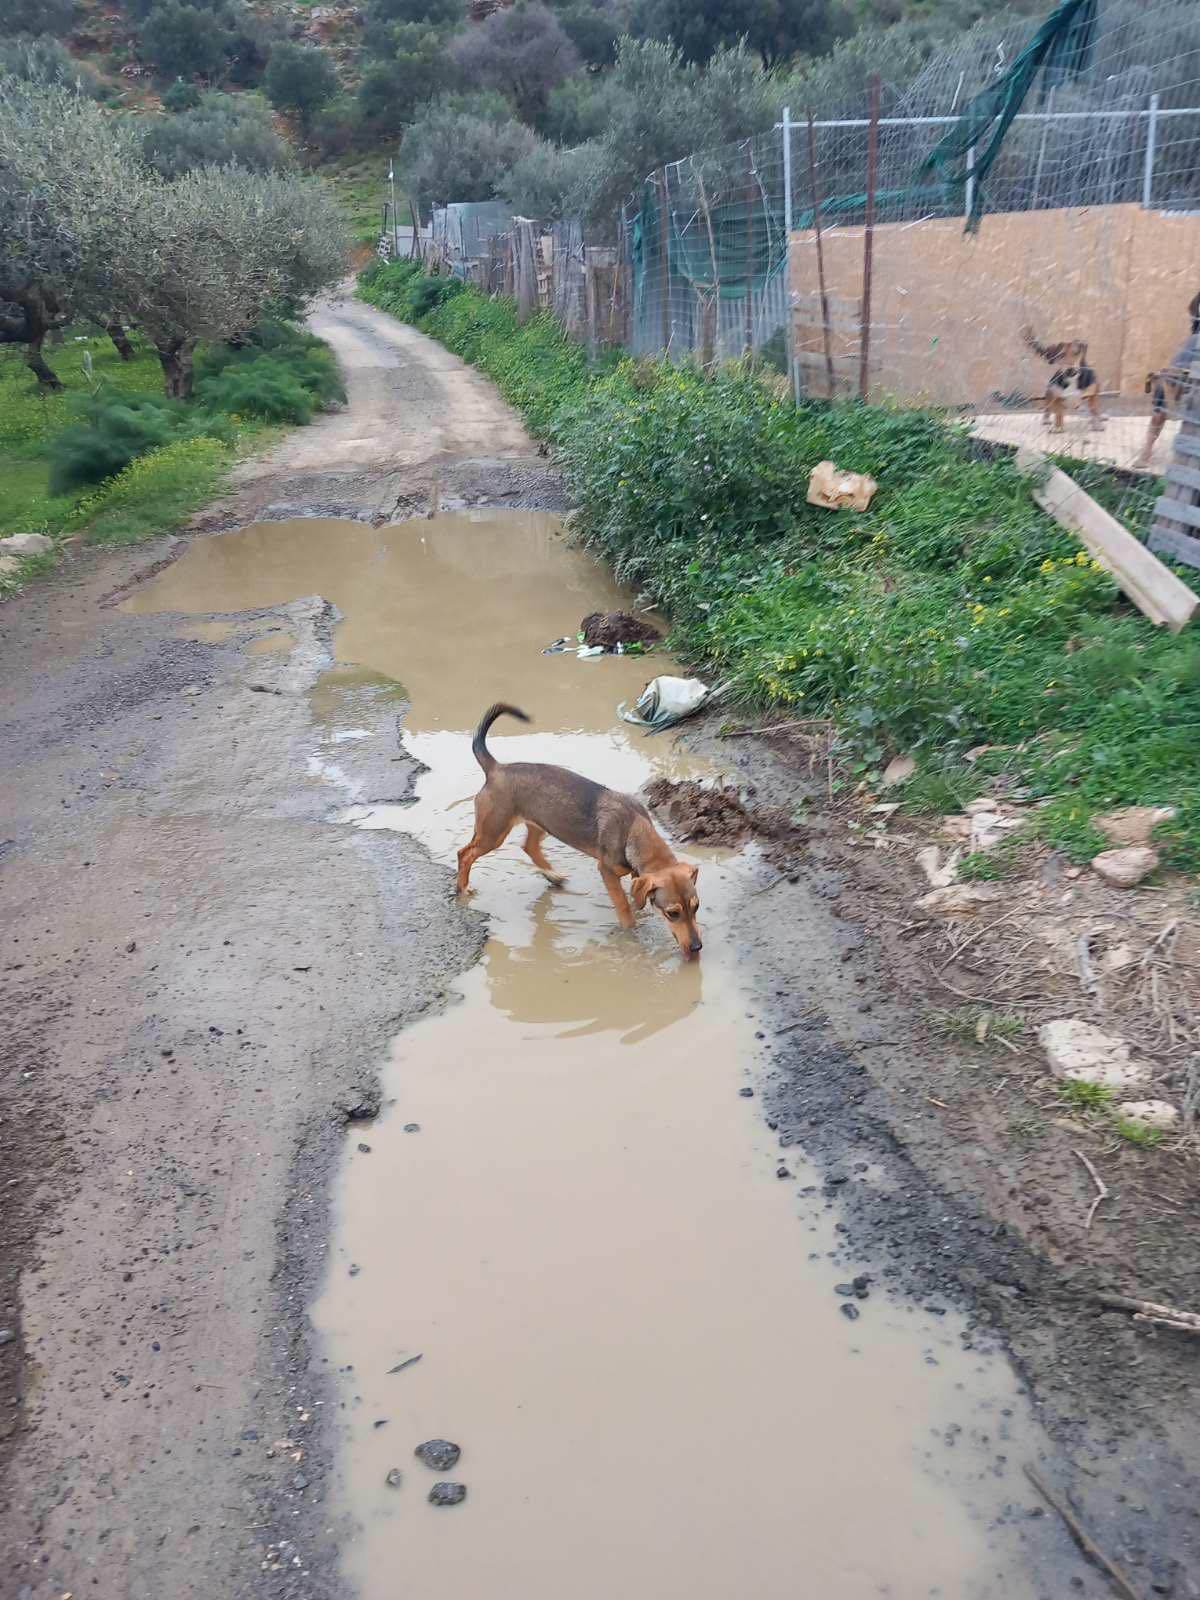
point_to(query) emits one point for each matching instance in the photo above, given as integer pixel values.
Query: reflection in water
(550, 978)
(621, 1321)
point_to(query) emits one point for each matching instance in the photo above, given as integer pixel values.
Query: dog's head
(673, 892)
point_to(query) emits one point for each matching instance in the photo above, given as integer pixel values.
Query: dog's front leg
(616, 893)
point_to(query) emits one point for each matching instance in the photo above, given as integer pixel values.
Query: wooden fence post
(864, 350)
(816, 201)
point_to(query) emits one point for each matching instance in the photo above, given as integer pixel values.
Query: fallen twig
(1159, 939)
(1147, 1311)
(411, 1362)
(1191, 1095)
(1087, 976)
(779, 727)
(1101, 1188)
(1081, 1536)
(975, 937)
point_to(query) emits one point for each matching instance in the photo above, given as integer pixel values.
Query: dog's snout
(696, 945)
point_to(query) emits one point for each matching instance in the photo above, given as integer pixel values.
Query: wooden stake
(864, 353)
(816, 202)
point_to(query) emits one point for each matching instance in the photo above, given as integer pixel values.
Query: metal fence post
(1151, 141)
(970, 189)
(793, 369)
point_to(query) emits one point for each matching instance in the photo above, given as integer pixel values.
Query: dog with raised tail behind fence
(1071, 380)
(614, 829)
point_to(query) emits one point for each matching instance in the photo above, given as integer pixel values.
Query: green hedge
(952, 614)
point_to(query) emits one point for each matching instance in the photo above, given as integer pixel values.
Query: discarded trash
(559, 646)
(839, 491)
(612, 629)
(587, 651)
(665, 701)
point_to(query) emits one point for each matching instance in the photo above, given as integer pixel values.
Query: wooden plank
(1153, 587)
(1178, 511)
(1186, 477)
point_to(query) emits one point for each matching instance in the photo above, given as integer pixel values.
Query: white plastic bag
(665, 701)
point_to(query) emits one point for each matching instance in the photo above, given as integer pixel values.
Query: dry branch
(1101, 1189)
(1081, 1536)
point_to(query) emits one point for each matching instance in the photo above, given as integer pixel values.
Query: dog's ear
(641, 889)
(694, 870)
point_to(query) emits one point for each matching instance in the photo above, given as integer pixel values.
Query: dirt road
(199, 976)
(231, 775)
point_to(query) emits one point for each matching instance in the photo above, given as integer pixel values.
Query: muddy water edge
(670, 1369)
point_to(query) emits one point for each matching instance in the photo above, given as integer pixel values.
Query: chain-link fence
(1014, 237)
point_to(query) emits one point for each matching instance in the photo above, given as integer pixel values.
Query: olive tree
(522, 51)
(458, 149)
(215, 249)
(69, 179)
(300, 78)
(222, 129)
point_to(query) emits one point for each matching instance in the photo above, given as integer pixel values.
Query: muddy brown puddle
(625, 1318)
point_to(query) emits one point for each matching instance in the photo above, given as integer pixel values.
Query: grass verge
(952, 615)
(110, 460)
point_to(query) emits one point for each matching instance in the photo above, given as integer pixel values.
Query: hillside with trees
(550, 104)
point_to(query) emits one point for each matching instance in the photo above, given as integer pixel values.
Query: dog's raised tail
(479, 747)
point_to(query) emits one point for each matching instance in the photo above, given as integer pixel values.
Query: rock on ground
(1125, 868)
(1134, 825)
(1150, 1113)
(1083, 1053)
(959, 899)
(26, 544)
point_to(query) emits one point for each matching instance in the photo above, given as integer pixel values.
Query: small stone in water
(447, 1494)
(439, 1455)
(394, 1478)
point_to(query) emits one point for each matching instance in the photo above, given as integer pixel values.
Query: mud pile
(698, 813)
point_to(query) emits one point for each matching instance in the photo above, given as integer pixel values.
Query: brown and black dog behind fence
(1072, 379)
(614, 829)
(1169, 384)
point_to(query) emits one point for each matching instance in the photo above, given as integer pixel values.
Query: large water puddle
(624, 1307)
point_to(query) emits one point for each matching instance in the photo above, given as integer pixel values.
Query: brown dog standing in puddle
(613, 828)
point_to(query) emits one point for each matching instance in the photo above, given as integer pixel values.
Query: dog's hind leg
(492, 827)
(616, 893)
(533, 849)
(1093, 404)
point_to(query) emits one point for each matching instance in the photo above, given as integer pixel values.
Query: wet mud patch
(715, 814)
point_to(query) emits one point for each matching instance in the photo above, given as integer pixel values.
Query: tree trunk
(36, 362)
(175, 359)
(120, 339)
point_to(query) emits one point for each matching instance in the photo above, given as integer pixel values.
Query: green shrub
(264, 387)
(270, 350)
(114, 430)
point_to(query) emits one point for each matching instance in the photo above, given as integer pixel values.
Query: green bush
(264, 388)
(401, 288)
(272, 348)
(113, 430)
(952, 614)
